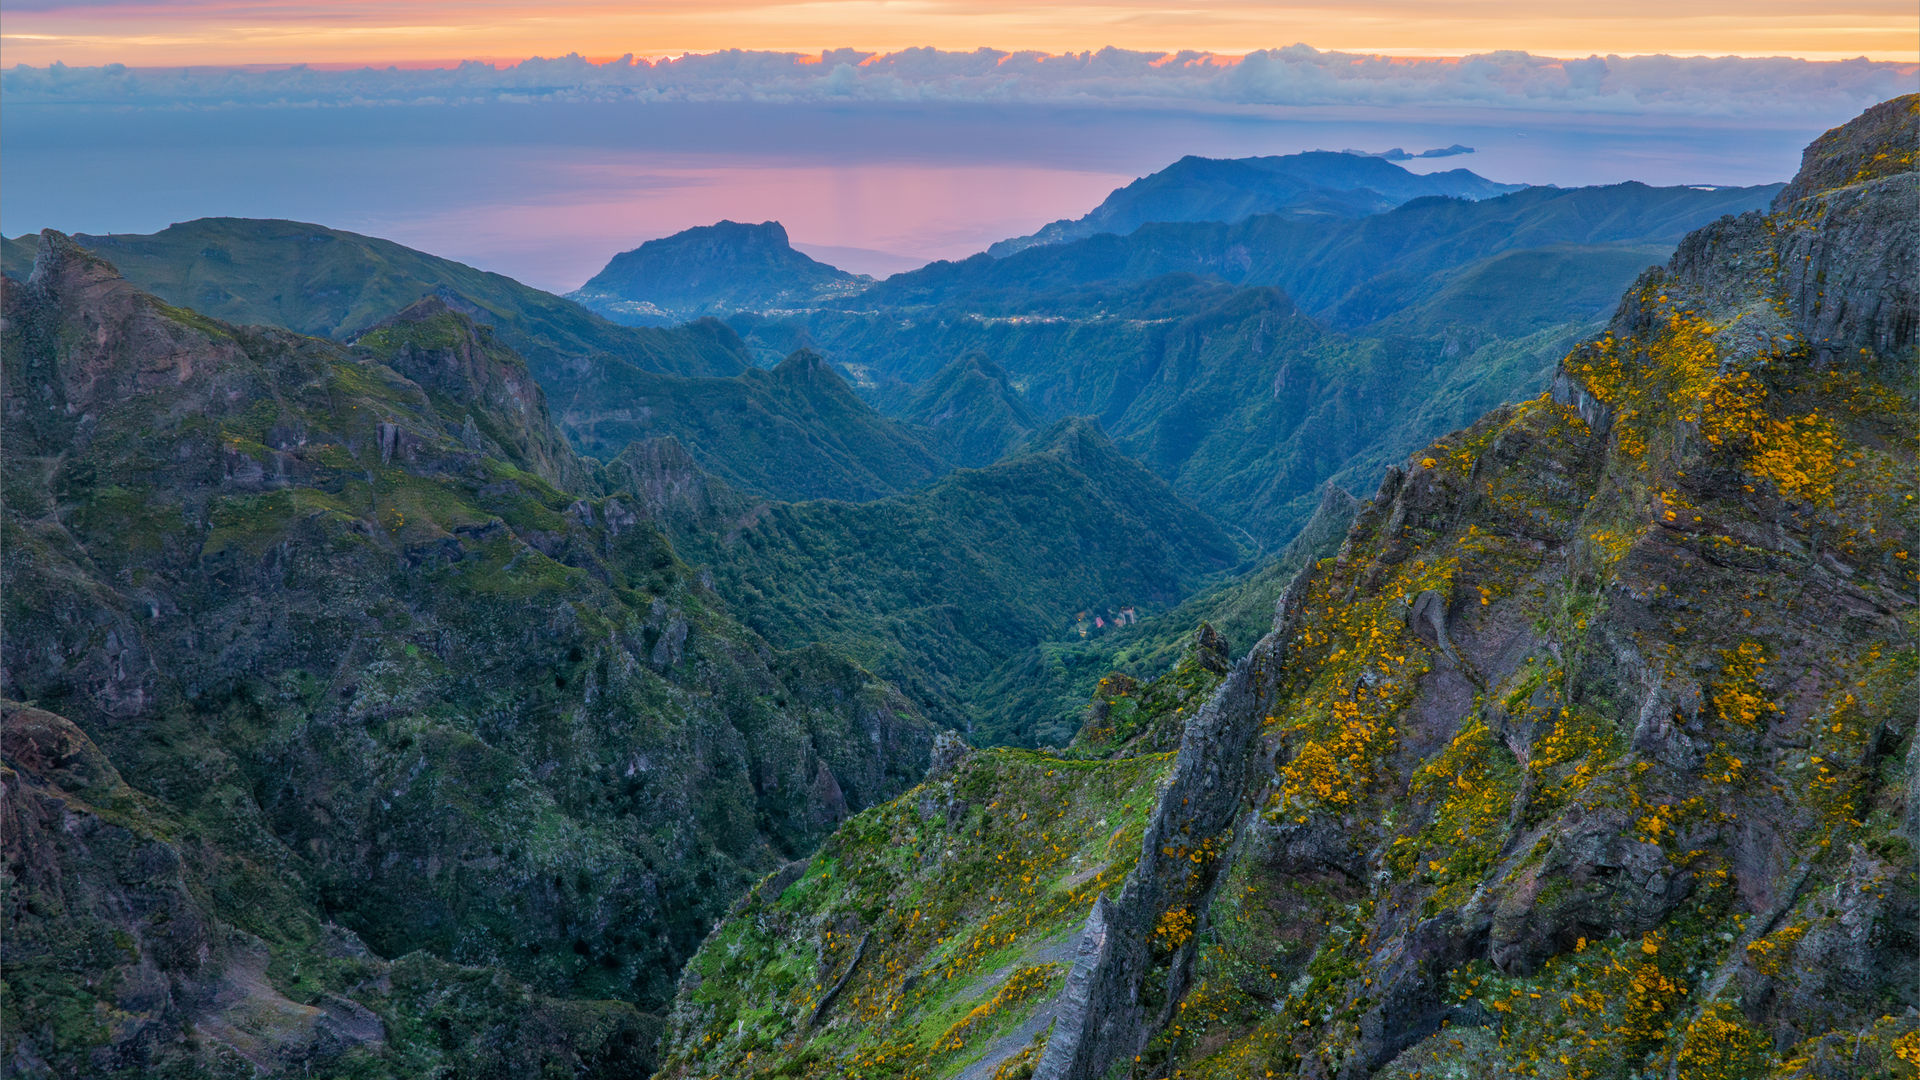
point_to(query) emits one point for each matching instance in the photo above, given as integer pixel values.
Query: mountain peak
(770, 232)
(1879, 142)
(975, 409)
(804, 362)
(713, 269)
(1074, 436)
(445, 352)
(59, 260)
(425, 309)
(116, 341)
(809, 372)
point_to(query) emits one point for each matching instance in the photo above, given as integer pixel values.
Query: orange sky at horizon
(151, 33)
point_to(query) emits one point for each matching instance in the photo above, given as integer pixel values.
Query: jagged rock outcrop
(457, 360)
(1133, 962)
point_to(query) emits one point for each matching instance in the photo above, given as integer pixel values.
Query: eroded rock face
(1670, 597)
(1127, 980)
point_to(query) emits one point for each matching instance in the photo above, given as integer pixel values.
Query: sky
(882, 133)
(170, 32)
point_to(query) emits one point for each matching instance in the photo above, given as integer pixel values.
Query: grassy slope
(961, 900)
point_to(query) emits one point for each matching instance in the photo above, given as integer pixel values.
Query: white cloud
(1769, 89)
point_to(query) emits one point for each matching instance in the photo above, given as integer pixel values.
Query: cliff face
(386, 664)
(1589, 755)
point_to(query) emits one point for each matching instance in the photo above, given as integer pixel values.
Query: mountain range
(1315, 184)
(985, 672)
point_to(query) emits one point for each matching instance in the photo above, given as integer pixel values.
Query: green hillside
(971, 412)
(935, 589)
(1237, 398)
(336, 284)
(797, 431)
(431, 754)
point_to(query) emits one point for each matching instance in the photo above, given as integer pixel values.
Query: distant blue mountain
(712, 270)
(1316, 184)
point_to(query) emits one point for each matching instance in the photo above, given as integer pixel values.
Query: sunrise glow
(413, 32)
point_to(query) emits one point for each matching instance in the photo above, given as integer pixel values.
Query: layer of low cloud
(1296, 76)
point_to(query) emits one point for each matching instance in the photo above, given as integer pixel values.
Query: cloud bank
(1730, 87)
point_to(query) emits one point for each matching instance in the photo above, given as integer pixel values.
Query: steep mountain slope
(974, 415)
(1319, 183)
(934, 589)
(389, 675)
(712, 270)
(1591, 754)
(337, 284)
(797, 431)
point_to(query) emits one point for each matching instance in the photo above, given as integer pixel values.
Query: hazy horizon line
(1218, 57)
(1295, 76)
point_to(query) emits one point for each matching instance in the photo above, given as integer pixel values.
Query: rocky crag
(364, 728)
(1590, 754)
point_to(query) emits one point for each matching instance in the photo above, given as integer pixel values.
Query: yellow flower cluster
(1022, 986)
(1768, 954)
(1720, 1045)
(1471, 786)
(1362, 663)
(1738, 698)
(1174, 929)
